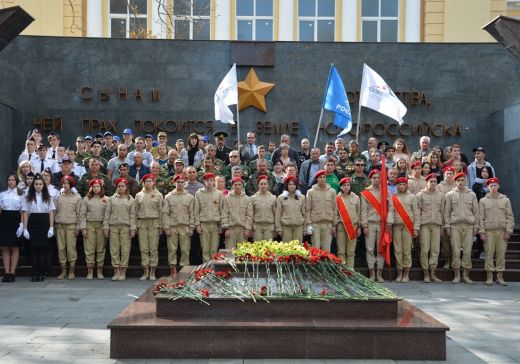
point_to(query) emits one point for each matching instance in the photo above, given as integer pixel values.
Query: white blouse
(38, 206)
(10, 200)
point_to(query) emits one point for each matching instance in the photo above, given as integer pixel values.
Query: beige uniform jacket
(148, 205)
(431, 207)
(120, 210)
(290, 211)
(263, 209)
(353, 203)
(320, 205)
(237, 211)
(368, 214)
(445, 187)
(409, 202)
(495, 213)
(460, 208)
(68, 209)
(92, 210)
(416, 185)
(207, 206)
(178, 209)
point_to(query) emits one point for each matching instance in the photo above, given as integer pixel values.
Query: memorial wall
(79, 86)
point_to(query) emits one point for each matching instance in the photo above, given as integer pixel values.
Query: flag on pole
(226, 94)
(385, 240)
(336, 101)
(376, 95)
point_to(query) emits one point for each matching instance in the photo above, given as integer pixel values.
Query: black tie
(30, 156)
(42, 167)
(53, 154)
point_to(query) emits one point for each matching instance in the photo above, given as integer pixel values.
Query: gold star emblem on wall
(252, 92)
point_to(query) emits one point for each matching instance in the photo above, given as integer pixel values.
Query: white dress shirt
(10, 200)
(38, 206)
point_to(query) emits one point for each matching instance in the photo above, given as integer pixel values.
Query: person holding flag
(404, 222)
(347, 230)
(336, 100)
(373, 213)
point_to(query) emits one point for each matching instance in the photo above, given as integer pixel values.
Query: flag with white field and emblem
(226, 94)
(377, 95)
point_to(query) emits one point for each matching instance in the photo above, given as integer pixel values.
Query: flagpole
(358, 126)
(238, 129)
(322, 105)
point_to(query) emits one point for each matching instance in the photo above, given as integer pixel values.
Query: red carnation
(324, 292)
(263, 290)
(204, 292)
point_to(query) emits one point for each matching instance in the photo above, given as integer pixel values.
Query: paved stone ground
(65, 322)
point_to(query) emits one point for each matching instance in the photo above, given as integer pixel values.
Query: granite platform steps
(478, 272)
(281, 328)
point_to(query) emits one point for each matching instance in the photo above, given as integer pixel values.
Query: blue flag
(336, 101)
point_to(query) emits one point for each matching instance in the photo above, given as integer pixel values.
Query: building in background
(269, 20)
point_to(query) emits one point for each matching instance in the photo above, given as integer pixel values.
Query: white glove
(19, 232)
(285, 194)
(50, 233)
(26, 234)
(298, 193)
(308, 231)
(74, 190)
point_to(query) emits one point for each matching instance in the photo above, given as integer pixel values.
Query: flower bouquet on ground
(277, 270)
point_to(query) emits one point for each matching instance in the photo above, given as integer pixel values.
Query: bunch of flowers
(269, 251)
(270, 269)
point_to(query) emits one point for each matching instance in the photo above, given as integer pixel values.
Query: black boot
(34, 277)
(12, 278)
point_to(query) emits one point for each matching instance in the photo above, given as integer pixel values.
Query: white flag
(376, 95)
(226, 94)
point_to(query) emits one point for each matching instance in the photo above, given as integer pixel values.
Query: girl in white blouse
(38, 221)
(11, 227)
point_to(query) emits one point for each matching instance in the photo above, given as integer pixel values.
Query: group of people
(118, 188)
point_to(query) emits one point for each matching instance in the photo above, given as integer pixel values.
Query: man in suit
(311, 166)
(249, 151)
(138, 169)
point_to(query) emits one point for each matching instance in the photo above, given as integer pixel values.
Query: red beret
(459, 175)
(71, 180)
(236, 179)
(449, 168)
(372, 172)
(179, 176)
(96, 181)
(344, 180)
(492, 180)
(321, 172)
(148, 176)
(261, 177)
(291, 178)
(431, 176)
(119, 180)
(415, 164)
(207, 176)
(401, 180)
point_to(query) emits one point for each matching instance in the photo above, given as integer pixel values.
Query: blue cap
(128, 131)
(155, 143)
(148, 136)
(116, 138)
(89, 137)
(99, 135)
(205, 138)
(107, 134)
(66, 159)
